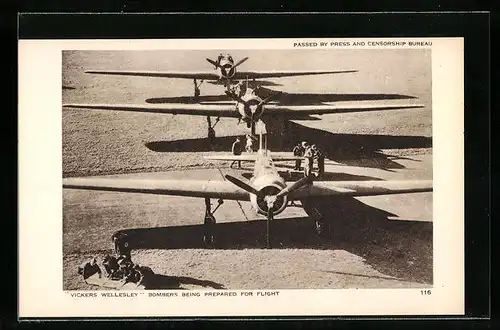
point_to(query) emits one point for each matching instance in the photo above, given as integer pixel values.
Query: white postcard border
(40, 197)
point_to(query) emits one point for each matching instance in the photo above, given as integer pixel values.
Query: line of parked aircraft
(248, 106)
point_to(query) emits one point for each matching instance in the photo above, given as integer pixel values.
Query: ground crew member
(89, 268)
(298, 151)
(321, 161)
(314, 150)
(309, 159)
(237, 149)
(249, 147)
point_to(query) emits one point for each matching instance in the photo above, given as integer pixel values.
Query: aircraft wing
(216, 110)
(227, 190)
(252, 158)
(298, 111)
(361, 188)
(278, 74)
(188, 188)
(208, 75)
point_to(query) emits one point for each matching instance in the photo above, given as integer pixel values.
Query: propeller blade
(240, 62)
(212, 62)
(243, 185)
(269, 98)
(235, 97)
(296, 185)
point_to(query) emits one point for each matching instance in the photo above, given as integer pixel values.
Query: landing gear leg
(211, 130)
(321, 226)
(268, 229)
(197, 91)
(209, 222)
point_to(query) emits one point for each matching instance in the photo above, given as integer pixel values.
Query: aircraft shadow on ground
(349, 149)
(164, 282)
(286, 98)
(402, 249)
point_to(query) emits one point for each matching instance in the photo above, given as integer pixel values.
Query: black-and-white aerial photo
(247, 169)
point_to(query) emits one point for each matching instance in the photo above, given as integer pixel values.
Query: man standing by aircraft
(309, 161)
(298, 151)
(320, 156)
(249, 146)
(237, 149)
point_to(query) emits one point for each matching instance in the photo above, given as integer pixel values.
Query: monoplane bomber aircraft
(248, 107)
(225, 73)
(267, 191)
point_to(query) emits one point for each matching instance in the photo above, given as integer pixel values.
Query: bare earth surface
(383, 242)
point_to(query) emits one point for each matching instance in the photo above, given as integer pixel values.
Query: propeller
(269, 98)
(240, 62)
(232, 95)
(214, 63)
(235, 97)
(294, 186)
(270, 199)
(217, 65)
(242, 184)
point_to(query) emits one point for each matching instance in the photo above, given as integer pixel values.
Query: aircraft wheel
(209, 235)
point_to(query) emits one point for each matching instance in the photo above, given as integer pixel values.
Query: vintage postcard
(249, 177)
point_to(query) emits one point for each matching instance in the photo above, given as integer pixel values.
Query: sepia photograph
(247, 169)
(233, 173)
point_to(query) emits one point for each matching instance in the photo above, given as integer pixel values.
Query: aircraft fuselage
(267, 180)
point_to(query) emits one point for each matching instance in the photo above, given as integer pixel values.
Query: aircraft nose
(227, 70)
(257, 111)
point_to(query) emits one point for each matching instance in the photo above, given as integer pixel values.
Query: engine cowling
(260, 204)
(227, 70)
(250, 110)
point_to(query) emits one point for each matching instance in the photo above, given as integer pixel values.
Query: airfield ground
(386, 243)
